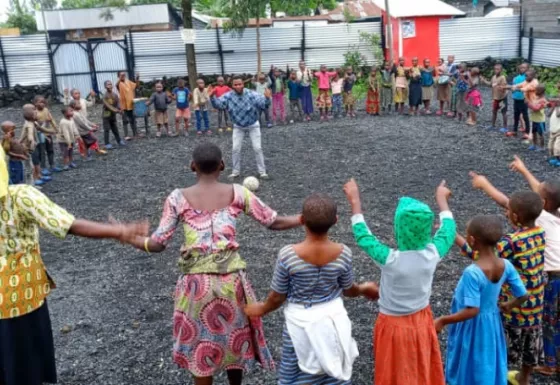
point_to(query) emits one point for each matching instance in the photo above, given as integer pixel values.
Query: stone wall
(20, 95)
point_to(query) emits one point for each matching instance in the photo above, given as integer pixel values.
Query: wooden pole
(389, 31)
(189, 48)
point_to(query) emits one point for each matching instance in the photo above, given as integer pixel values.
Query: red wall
(426, 42)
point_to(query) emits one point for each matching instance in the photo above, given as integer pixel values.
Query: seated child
(524, 248)
(67, 137)
(537, 116)
(405, 341)
(15, 151)
(86, 129)
(312, 275)
(476, 345)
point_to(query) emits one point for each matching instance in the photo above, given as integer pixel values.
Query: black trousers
(520, 108)
(110, 124)
(128, 116)
(46, 152)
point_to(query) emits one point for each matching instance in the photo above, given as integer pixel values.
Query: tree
(189, 48)
(174, 3)
(302, 7)
(215, 8)
(47, 5)
(21, 17)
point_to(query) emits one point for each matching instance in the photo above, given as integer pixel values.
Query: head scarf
(4, 177)
(413, 224)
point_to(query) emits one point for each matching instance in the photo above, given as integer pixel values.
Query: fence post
(303, 40)
(91, 60)
(530, 58)
(50, 54)
(220, 51)
(131, 63)
(127, 54)
(6, 78)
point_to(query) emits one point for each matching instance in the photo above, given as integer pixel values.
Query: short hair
(487, 229)
(531, 71)
(28, 110)
(65, 109)
(8, 126)
(540, 90)
(207, 157)
(237, 77)
(37, 98)
(105, 83)
(121, 72)
(475, 70)
(528, 205)
(319, 213)
(551, 189)
(73, 103)
(74, 90)
(181, 80)
(499, 65)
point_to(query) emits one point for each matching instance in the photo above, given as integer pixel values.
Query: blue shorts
(539, 128)
(17, 174)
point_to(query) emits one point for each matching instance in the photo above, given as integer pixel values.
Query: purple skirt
(307, 100)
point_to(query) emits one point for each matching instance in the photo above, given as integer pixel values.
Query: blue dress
(476, 348)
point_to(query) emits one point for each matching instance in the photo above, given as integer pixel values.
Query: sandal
(512, 377)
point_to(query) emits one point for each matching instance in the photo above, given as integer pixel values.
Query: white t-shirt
(554, 122)
(551, 225)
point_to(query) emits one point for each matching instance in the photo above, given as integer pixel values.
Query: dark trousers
(520, 108)
(266, 113)
(128, 117)
(222, 115)
(46, 151)
(110, 124)
(200, 116)
(17, 174)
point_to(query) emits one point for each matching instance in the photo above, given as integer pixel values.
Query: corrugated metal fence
(158, 54)
(25, 60)
(546, 52)
(475, 38)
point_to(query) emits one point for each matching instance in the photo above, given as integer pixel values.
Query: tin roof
(416, 8)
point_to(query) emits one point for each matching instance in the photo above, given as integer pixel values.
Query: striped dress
(308, 285)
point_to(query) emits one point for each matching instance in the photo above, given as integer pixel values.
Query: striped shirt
(307, 284)
(524, 248)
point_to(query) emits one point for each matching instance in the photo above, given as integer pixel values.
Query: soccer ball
(251, 183)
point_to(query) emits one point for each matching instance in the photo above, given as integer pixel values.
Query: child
(374, 85)
(182, 95)
(160, 100)
(461, 84)
(46, 141)
(401, 86)
(200, 102)
(387, 85)
(217, 280)
(528, 87)
(312, 276)
(111, 107)
(76, 95)
(305, 77)
(520, 109)
(538, 118)
(443, 87)
(405, 340)
(324, 100)
(277, 85)
(16, 152)
(476, 346)
(261, 86)
(415, 87)
(427, 73)
(452, 70)
(336, 88)
(294, 88)
(127, 93)
(347, 97)
(554, 128)
(85, 129)
(499, 96)
(549, 220)
(67, 137)
(220, 90)
(29, 139)
(474, 99)
(524, 248)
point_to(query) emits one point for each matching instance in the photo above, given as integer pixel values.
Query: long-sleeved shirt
(243, 108)
(406, 276)
(305, 77)
(67, 132)
(127, 92)
(83, 125)
(200, 98)
(277, 84)
(160, 100)
(85, 103)
(324, 79)
(260, 88)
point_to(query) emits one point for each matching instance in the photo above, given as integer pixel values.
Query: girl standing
(476, 346)
(374, 85)
(427, 86)
(211, 332)
(26, 340)
(443, 87)
(474, 99)
(312, 276)
(387, 86)
(305, 77)
(401, 86)
(336, 88)
(461, 86)
(415, 87)
(406, 346)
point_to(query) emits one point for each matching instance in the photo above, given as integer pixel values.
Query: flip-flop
(512, 377)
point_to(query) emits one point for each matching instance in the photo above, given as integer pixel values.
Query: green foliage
(215, 8)
(44, 4)
(301, 7)
(347, 14)
(21, 17)
(353, 58)
(373, 43)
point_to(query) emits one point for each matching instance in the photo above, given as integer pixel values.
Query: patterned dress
(308, 285)
(210, 330)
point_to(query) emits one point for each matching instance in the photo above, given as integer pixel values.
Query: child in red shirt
(324, 101)
(220, 90)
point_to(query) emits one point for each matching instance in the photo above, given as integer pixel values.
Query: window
(408, 29)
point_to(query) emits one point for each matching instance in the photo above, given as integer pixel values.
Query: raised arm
(90, 100)
(445, 236)
(260, 212)
(260, 101)
(364, 237)
(519, 166)
(218, 103)
(480, 182)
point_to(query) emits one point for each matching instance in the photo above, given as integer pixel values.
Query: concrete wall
(542, 15)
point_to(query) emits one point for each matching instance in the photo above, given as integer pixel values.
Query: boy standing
(538, 118)
(261, 86)
(387, 84)
(524, 248)
(46, 141)
(324, 101)
(499, 96)
(519, 106)
(220, 90)
(182, 95)
(16, 152)
(30, 139)
(200, 101)
(160, 100)
(277, 81)
(347, 96)
(127, 90)
(67, 137)
(111, 107)
(294, 88)
(427, 73)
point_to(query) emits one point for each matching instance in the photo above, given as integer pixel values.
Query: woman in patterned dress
(210, 330)
(26, 340)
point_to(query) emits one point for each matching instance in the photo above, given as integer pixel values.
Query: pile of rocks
(20, 95)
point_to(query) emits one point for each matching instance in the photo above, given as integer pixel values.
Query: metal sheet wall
(159, 54)
(27, 60)
(525, 47)
(546, 52)
(72, 67)
(109, 56)
(475, 38)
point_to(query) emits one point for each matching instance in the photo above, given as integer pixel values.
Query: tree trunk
(189, 48)
(259, 59)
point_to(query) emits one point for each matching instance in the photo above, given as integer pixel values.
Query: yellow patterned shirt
(24, 282)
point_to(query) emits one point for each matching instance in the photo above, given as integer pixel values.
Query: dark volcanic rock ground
(117, 302)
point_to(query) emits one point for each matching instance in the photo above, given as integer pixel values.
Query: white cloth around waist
(322, 338)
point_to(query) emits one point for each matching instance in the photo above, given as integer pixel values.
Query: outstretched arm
(519, 166)
(445, 236)
(480, 182)
(461, 316)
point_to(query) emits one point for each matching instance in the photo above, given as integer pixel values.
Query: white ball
(251, 183)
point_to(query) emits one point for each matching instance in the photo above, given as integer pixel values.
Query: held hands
(127, 232)
(440, 325)
(506, 307)
(254, 310)
(211, 91)
(370, 290)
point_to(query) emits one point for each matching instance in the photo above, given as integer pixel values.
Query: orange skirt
(406, 350)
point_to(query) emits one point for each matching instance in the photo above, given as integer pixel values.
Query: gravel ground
(113, 307)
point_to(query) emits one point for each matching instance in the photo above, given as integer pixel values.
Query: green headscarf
(413, 224)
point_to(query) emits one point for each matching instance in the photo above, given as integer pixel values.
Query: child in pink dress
(474, 99)
(324, 99)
